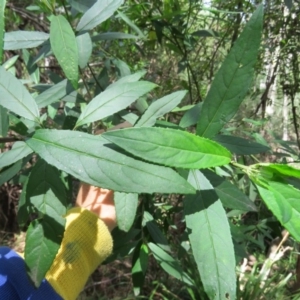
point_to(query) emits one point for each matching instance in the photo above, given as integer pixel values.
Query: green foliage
(96, 85)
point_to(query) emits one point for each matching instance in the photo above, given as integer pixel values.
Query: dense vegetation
(187, 110)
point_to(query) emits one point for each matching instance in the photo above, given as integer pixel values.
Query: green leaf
(54, 93)
(283, 200)
(18, 151)
(85, 47)
(46, 192)
(15, 97)
(139, 266)
(16, 40)
(64, 47)
(233, 80)
(126, 206)
(240, 146)
(129, 78)
(159, 108)
(90, 159)
(155, 232)
(192, 116)
(131, 24)
(97, 14)
(3, 122)
(82, 5)
(2, 28)
(170, 147)
(210, 238)
(42, 243)
(32, 69)
(169, 264)
(8, 173)
(229, 194)
(10, 62)
(122, 67)
(113, 100)
(292, 170)
(111, 36)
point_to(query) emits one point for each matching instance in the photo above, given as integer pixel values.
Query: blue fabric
(14, 282)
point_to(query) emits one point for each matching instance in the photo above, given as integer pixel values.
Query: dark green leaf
(229, 194)
(18, 151)
(16, 40)
(8, 173)
(169, 264)
(113, 100)
(15, 97)
(82, 5)
(90, 159)
(3, 122)
(126, 205)
(233, 80)
(170, 147)
(64, 47)
(159, 108)
(108, 36)
(210, 238)
(239, 145)
(97, 14)
(191, 117)
(54, 93)
(2, 28)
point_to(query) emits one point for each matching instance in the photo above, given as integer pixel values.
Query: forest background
(189, 54)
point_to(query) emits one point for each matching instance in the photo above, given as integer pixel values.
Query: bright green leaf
(98, 13)
(292, 169)
(170, 147)
(15, 97)
(210, 238)
(126, 206)
(159, 108)
(64, 47)
(233, 80)
(90, 159)
(113, 100)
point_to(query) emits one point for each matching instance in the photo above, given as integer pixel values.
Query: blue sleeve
(14, 282)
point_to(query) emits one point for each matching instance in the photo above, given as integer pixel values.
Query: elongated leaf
(122, 67)
(169, 264)
(108, 36)
(18, 151)
(2, 28)
(126, 205)
(292, 169)
(191, 117)
(239, 145)
(54, 93)
(113, 100)
(82, 5)
(159, 108)
(233, 80)
(47, 193)
(210, 239)
(42, 244)
(131, 24)
(16, 40)
(64, 46)
(170, 147)
(229, 194)
(85, 47)
(15, 97)
(139, 266)
(91, 160)
(3, 122)
(8, 173)
(129, 78)
(283, 200)
(98, 13)
(10, 62)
